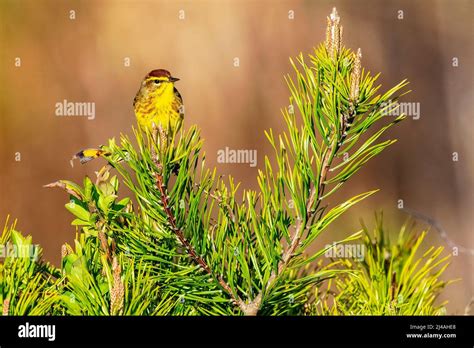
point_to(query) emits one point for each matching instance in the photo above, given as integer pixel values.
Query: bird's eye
(157, 82)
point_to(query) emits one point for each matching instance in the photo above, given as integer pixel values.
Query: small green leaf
(104, 203)
(88, 187)
(78, 211)
(79, 222)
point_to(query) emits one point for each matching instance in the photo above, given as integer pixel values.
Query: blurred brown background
(82, 60)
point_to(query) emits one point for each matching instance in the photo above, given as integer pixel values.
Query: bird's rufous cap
(161, 73)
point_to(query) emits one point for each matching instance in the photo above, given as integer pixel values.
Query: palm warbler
(158, 102)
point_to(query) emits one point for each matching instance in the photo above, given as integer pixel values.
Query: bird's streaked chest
(151, 104)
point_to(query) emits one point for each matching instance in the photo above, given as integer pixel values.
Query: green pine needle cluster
(394, 278)
(27, 285)
(190, 242)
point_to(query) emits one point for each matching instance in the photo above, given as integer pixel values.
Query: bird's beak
(173, 79)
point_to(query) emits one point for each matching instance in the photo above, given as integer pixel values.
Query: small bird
(158, 102)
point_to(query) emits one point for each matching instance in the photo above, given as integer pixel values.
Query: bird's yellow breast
(158, 108)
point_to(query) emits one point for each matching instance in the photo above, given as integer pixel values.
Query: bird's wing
(135, 99)
(179, 101)
(176, 93)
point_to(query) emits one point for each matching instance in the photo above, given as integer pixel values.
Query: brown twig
(441, 231)
(190, 250)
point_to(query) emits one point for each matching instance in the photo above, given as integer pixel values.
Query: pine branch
(189, 248)
(300, 228)
(333, 45)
